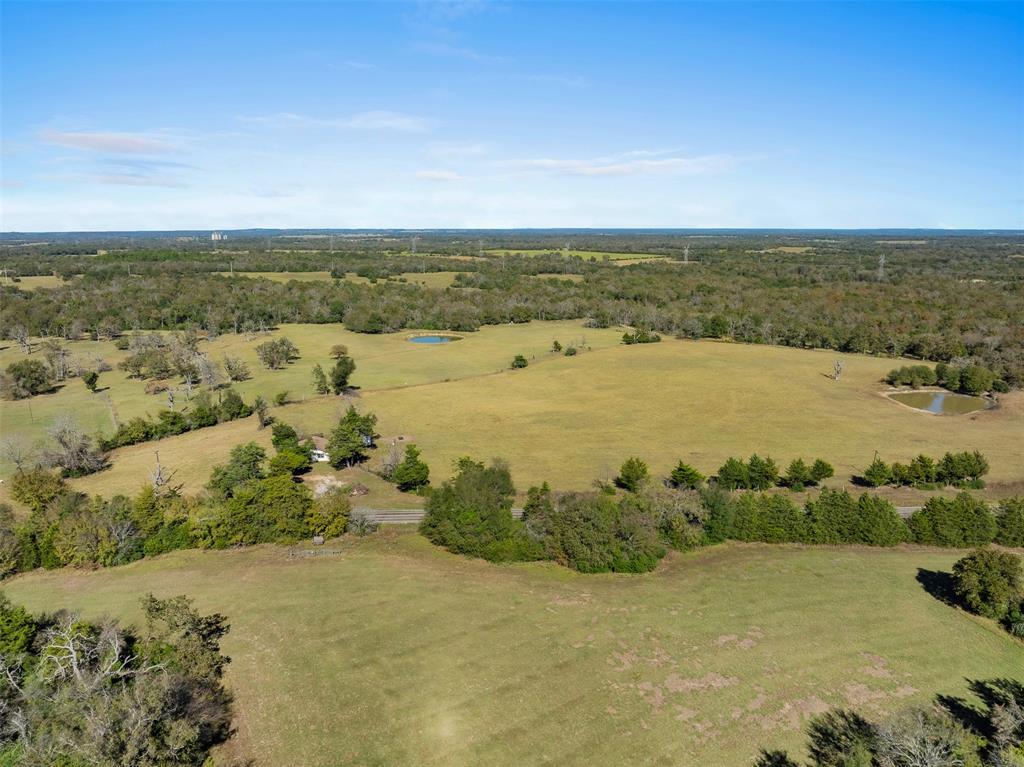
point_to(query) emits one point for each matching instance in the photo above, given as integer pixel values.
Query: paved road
(415, 516)
(403, 516)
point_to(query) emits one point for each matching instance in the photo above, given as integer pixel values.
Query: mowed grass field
(33, 282)
(392, 652)
(564, 420)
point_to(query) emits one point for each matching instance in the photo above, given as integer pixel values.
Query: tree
(330, 513)
(519, 362)
(277, 353)
(877, 474)
(98, 694)
(472, 514)
(684, 476)
(632, 474)
(36, 488)
(338, 351)
(90, 378)
(341, 372)
(733, 474)
(821, 470)
(411, 473)
(798, 475)
(350, 439)
(1010, 523)
(958, 522)
(232, 407)
(27, 378)
(556, 347)
(71, 450)
(262, 411)
(762, 473)
(236, 369)
(266, 510)
(989, 582)
(289, 462)
(320, 380)
(245, 464)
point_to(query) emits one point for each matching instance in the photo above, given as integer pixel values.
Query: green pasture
(387, 651)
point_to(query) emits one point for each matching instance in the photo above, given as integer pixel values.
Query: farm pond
(941, 402)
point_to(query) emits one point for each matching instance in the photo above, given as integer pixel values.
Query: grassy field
(34, 282)
(383, 362)
(391, 652)
(598, 255)
(565, 420)
(283, 276)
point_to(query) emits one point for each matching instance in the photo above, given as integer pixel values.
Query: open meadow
(586, 255)
(564, 420)
(387, 651)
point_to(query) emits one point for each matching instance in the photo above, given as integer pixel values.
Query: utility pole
(881, 267)
(686, 254)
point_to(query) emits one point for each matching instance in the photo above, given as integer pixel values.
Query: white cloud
(439, 175)
(634, 163)
(455, 149)
(373, 120)
(456, 52)
(120, 143)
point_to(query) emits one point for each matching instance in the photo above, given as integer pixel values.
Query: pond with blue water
(432, 339)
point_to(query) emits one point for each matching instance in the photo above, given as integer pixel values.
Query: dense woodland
(952, 298)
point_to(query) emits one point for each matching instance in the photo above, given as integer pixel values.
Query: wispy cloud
(439, 175)
(374, 120)
(633, 163)
(137, 179)
(569, 81)
(117, 143)
(456, 52)
(457, 149)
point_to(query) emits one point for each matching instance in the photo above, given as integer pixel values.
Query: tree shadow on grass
(990, 693)
(940, 585)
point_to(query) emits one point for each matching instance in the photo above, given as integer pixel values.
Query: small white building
(218, 236)
(319, 456)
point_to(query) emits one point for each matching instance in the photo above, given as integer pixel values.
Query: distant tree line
(741, 291)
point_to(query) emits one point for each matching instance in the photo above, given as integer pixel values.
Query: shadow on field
(939, 585)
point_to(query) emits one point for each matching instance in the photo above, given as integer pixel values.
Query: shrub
(277, 353)
(472, 514)
(90, 378)
(289, 462)
(632, 474)
(592, 532)
(281, 398)
(768, 518)
(570, 351)
(330, 513)
(640, 336)
(519, 362)
(989, 582)
(36, 488)
(960, 522)
(268, 510)
(912, 375)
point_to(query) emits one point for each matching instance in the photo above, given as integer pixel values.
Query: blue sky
(511, 114)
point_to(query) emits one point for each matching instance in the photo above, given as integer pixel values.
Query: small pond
(432, 339)
(941, 402)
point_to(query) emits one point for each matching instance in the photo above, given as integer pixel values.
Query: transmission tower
(881, 267)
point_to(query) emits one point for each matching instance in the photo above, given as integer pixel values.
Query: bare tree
(236, 369)
(208, 371)
(72, 450)
(918, 738)
(21, 336)
(17, 451)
